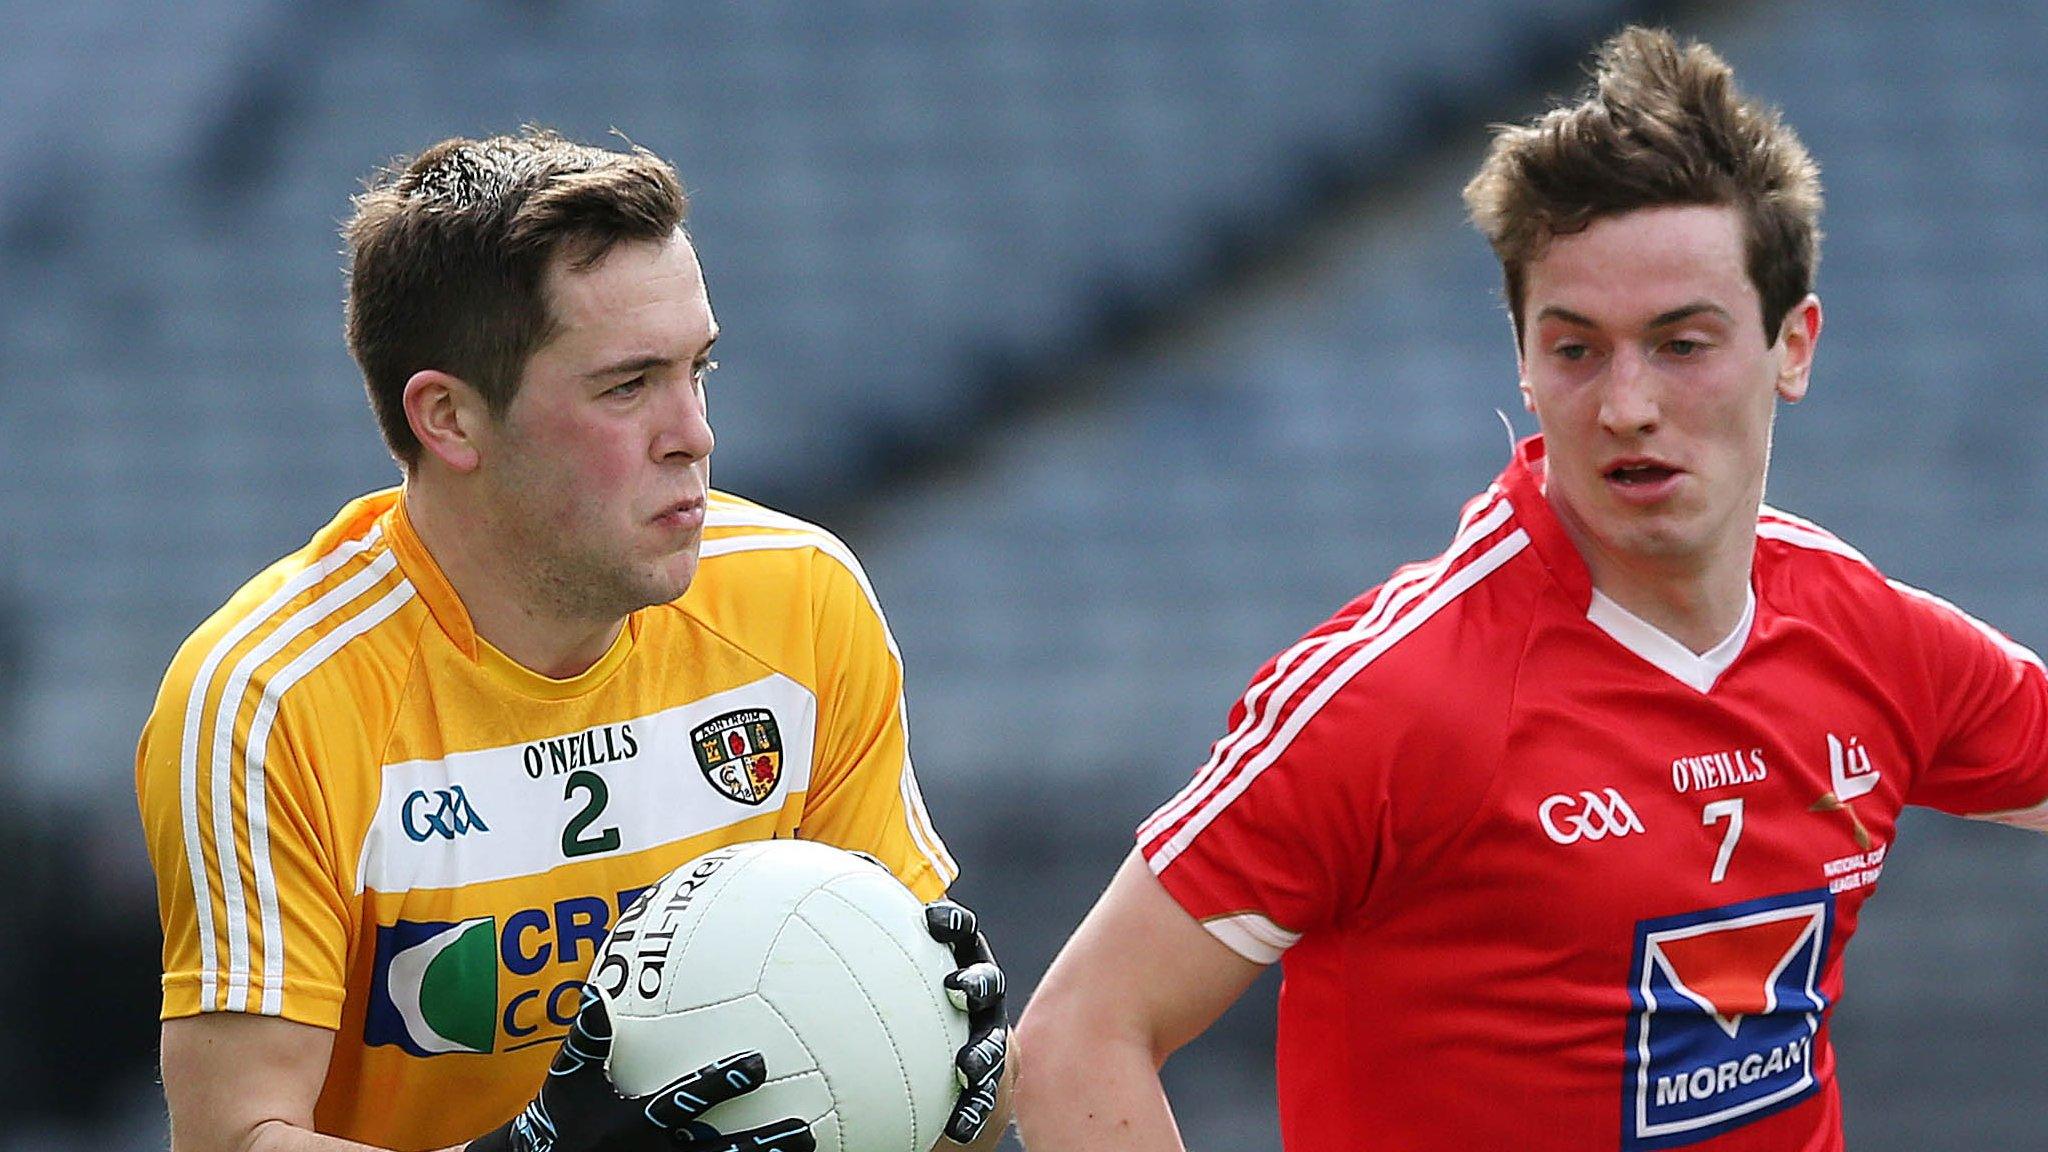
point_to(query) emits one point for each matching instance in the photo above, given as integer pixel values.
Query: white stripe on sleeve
(188, 750)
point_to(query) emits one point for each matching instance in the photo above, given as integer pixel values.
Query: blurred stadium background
(1122, 340)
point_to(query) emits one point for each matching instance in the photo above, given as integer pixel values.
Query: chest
(504, 836)
(482, 786)
(1623, 796)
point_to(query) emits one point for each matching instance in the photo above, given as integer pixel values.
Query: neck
(1698, 613)
(1696, 600)
(505, 612)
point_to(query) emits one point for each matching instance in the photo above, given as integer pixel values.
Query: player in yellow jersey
(398, 788)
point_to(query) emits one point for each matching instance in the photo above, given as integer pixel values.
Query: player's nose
(685, 428)
(1628, 400)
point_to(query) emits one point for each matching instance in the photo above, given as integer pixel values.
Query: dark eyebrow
(1553, 312)
(637, 364)
(1666, 319)
(1661, 320)
(633, 365)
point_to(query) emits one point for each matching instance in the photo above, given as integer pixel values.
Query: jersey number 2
(1731, 811)
(577, 839)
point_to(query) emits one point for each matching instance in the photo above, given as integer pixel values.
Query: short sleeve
(1990, 754)
(1285, 826)
(254, 918)
(864, 794)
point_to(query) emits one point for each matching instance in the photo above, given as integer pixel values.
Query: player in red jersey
(1561, 836)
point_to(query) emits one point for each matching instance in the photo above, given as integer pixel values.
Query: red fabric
(1495, 954)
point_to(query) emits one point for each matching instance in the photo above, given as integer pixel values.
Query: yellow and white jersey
(365, 818)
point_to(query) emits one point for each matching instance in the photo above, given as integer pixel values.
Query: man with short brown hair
(397, 789)
(1561, 835)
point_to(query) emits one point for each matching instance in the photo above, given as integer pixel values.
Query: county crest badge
(740, 753)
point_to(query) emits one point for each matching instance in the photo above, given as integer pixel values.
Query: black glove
(976, 987)
(578, 1110)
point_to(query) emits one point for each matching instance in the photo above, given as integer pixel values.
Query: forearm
(280, 1136)
(1084, 1094)
(1139, 979)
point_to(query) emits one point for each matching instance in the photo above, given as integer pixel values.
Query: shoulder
(1798, 541)
(1384, 719)
(1808, 571)
(1421, 658)
(1815, 575)
(740, 535)
(1446, 620)
(757, 564)
(336, 613)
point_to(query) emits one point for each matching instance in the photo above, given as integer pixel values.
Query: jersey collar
(426, 576)
(453, 618)
(1523, 482)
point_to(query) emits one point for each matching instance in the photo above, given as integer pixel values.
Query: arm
(245, 1083)
(864, 798)
(864, 794)
(1139, 979)
(241, 1083)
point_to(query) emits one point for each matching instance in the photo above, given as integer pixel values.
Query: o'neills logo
(1718, 770)
(586, 749)
(740, 753)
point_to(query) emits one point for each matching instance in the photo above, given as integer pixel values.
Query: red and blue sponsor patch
(1725, 1012)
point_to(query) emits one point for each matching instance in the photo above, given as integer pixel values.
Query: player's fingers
(589, 1039)
(970, 1115)
(972, 1110)
(715, 1083)
(981, 1060)
(791, 1135)
(976, 987)
(950, 924)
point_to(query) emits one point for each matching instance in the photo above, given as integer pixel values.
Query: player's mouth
(683, 516)
(1642, 480)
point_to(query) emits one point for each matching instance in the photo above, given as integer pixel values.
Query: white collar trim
(1698, 671)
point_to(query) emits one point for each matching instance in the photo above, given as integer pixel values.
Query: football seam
(909, 1089)
(768, 953)
(817, 1065)
(932, 996)
(681, 948)
(902, 1073)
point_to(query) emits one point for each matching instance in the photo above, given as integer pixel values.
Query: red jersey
(1543, 878)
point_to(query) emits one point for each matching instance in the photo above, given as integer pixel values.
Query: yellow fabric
(365, 818)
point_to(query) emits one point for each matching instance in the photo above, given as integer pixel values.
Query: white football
(815, 957)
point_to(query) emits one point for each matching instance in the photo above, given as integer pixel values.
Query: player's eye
(703, 371)
(627, 389)
(1683, 348)
(1571, 352)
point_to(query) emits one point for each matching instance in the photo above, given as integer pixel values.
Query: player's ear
(1800, 332)
(448, 416)
(1522, 373)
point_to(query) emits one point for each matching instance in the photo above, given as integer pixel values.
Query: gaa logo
(444, 812)
(1569, 819)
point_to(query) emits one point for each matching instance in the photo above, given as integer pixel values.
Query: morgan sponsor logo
(1726, 1009)
(1568, 818)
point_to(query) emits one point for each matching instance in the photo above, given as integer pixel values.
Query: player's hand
(976, 987)
(578, 1110)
